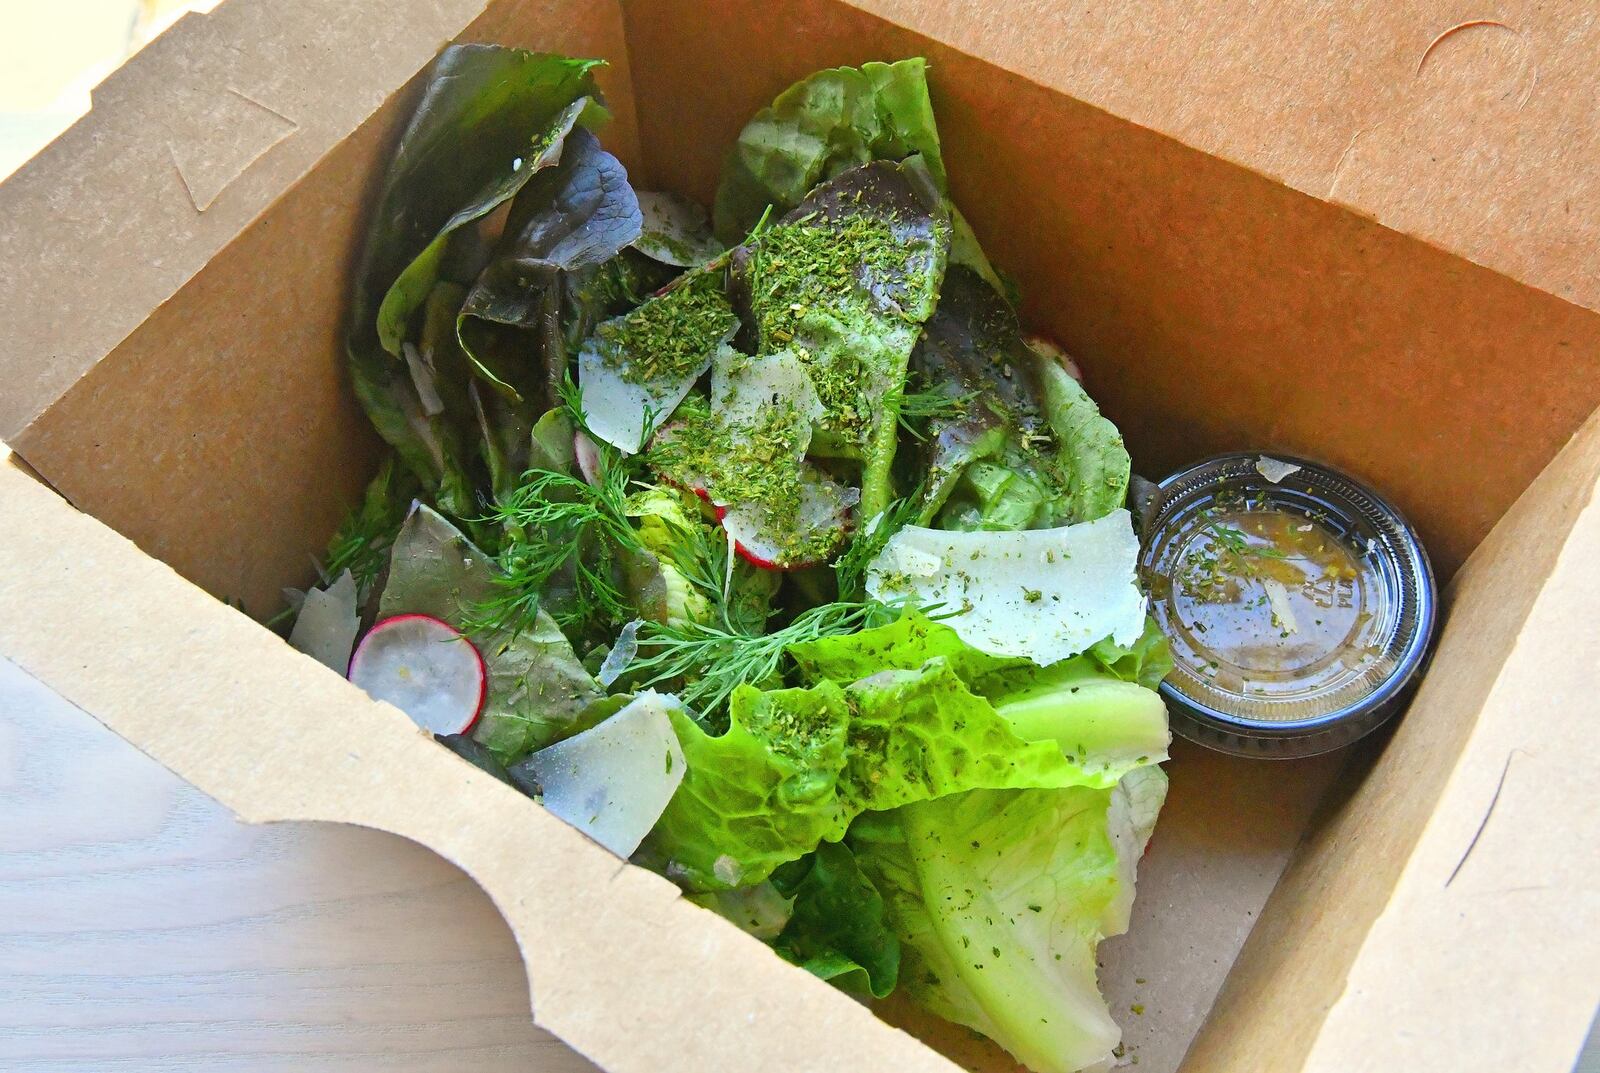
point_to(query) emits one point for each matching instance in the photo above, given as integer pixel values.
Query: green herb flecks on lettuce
(797, 765)
(537, 686)
(1105, 725)
(844, 282)
(820, 126)
(999, 899)
(828, 123)
(1090, 459)
(635, 370)
(762, 793)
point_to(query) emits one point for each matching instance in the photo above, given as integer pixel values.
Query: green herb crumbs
(811, 294)
(668, 337)
(757, 463)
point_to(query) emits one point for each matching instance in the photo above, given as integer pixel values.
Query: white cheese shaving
(744, 389)
(327, 624)
(1275, 470)
(620, 411)
(1044, 594)
(1282, 610)
(613, 781)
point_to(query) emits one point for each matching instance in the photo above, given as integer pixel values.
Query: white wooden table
(142, 928)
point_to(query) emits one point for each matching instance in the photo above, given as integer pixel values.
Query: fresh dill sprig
(850, 568)
(556, 523)
(919, 407)
(708, 662)
(361, 543)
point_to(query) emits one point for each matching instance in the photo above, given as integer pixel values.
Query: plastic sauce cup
(1299, 604)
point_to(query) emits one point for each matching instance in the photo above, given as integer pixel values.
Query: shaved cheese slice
(327, 624)
(613, 781)
(744, 389)
(621, 411)
(1274, 469)
(1043, 594)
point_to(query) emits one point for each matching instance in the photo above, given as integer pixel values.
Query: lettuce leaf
(489, 118)
(845, 281)
(1106, 725)
(838, 928)
(573, 217)
(826, 124)
(796, 765)
(823, 125)
(1019, 445)
(999, 899)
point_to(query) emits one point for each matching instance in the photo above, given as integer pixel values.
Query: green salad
(758, 543)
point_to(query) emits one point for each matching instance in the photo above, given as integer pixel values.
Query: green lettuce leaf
(838, 928)
(999, 899)
(1090, 459)
(797, 765)
(1147, 661)
(1017, 443)
(1104, 725)
(821, 126)
(537, 685)
(488, 119)
(844, 282)
(761, 794)
(826, 124)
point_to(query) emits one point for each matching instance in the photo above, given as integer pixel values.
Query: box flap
(1486, 955)
(273, 735)
(1471, 128)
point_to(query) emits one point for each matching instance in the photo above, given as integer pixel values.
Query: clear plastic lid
(1298, 603)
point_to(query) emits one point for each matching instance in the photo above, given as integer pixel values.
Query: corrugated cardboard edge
(1368, 922)
(619, 965)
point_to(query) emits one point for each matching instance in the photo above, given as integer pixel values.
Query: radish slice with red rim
(1050, 350)
(807, 539)
(426, 668)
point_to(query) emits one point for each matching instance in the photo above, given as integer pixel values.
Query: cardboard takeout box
(1367, 238)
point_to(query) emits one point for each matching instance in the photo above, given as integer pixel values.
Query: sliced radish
(587, 455)
(426, 668)
(1050, 350)
(778, 543)
(613, 781)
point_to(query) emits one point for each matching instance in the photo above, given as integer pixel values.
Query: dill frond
(556, 523)
(708, 661)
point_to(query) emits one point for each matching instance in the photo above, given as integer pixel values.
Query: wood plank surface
(143, 928)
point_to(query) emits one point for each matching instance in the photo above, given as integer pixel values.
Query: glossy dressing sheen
(1268, 601)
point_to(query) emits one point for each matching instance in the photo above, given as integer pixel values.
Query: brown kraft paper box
(1367, 235)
